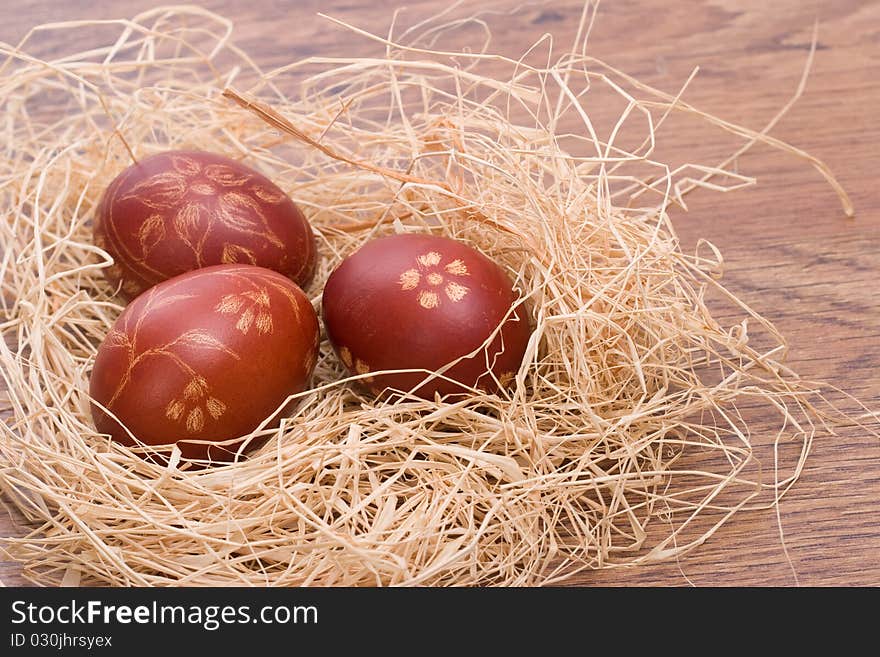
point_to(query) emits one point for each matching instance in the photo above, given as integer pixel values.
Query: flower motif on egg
(236, 209)
(177, 211)
(168, 188)
(424, 315)
(431, 277)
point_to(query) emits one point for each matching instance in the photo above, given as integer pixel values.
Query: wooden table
(790, 251)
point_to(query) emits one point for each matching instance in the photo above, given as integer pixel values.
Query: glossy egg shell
(422, 301)
(181, 210)
(206, 356)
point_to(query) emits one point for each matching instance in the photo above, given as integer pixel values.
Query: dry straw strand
(638, 424)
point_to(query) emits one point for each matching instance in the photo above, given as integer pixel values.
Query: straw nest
(637, 425)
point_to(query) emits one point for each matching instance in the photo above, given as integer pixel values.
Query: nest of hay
(637, 424)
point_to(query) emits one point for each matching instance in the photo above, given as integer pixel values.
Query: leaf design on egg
(345, 357)
(195, 421)
(196, 388)
(294, 303)
(203, 189)
(245, 320)
(252, 308)
(151, 232)
(160, 191)
(225, 176)
(229, 303)
(237, 210)
(117, 338)
(188, 223)
(195, 393)
(185, 165)
(362, 367)
(195, 403)
(198, 398)
(267, 194)
(215, 407)
(264, 323)
(153, 305)
(243, 213)
(232, 303)
(233, 253)
(201, 339)
(174, 409)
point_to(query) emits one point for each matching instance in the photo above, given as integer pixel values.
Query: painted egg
(421, 302)
(205, 356)
(182, 210)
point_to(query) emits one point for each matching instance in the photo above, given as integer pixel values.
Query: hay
(638, 424)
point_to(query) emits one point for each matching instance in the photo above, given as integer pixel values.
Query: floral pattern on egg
(182, 210)
(421, 303)
(205, 356)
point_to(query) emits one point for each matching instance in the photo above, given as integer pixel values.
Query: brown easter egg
(182, 210)
(205, 356)
(421, 301)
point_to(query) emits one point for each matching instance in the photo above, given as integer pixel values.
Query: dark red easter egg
(205, 356)
(421, 301)
(182, 210)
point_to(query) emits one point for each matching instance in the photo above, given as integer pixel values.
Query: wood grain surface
(790, 251)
